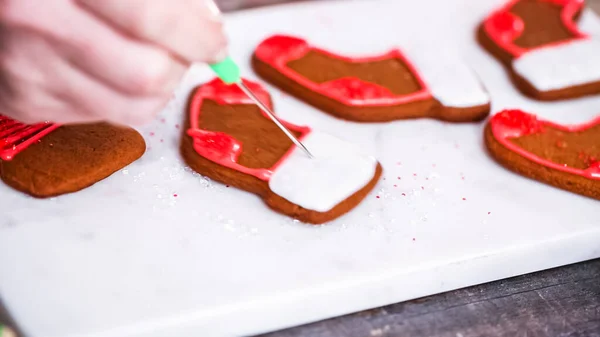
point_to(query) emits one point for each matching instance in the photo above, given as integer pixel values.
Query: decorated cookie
(63, 159)
(547, 56)
(229, 139)
(370, 89)
(567, 157)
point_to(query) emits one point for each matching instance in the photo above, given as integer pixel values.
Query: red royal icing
(503, 27)
(277, 51)
(16, 137)
(509, 124)
(355, 91)
(220, 147)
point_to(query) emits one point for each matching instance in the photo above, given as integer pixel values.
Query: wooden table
(559, 302)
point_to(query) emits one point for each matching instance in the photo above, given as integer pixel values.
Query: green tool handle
(227, 70)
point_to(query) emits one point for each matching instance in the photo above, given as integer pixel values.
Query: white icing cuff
(450, 81)
(337, 172)
(562, 66)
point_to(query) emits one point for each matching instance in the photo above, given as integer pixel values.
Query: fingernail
(213, 10)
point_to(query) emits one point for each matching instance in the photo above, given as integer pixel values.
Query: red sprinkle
(162, 140)
(226, 185)
(377, 197)
(404, 194)
(175, 195)
(489, 213)
(414, 239)
(464, 198)
(414, 174)
(176, 126)
(151, 134)
(422, 187)
(395, 185)
(561, 144)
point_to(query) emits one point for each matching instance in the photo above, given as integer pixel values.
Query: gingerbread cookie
(547, 56)
(567, 157)
(370, 89)
(64, 159)
(230, 140)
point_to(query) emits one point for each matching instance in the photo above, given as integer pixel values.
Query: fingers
(190, 29)
(45, 86)
(100, 102)
(63, 64)
(132, 67)
(26, 81)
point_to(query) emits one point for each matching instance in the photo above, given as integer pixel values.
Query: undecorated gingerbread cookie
(370, 89)
(567, 157)
(65, 159)
(230, 140)
(546, 54)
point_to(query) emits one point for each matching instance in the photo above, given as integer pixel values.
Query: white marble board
(129, 258)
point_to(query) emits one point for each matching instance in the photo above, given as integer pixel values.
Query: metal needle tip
(264, 108)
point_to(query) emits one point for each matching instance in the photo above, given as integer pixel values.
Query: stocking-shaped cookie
(546, 54)
(64, 159)
(230, 140)
(370, 89)
(564, 156)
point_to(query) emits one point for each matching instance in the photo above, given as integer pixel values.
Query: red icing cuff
(216, 90)
(220, 147)
(277, 51)
(515, 123)
(217, 145)
(509, 124)
(16, 137)
(355, 91)
(280, 49)
(503, 27)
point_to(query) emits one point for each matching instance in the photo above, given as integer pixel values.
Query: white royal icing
(338, 171)
(449, 79)
(561, 66)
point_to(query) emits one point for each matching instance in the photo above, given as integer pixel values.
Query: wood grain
(558, 302)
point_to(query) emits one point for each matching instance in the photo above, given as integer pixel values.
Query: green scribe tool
(229, 72)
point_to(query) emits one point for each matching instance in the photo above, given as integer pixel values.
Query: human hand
(86, 60)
